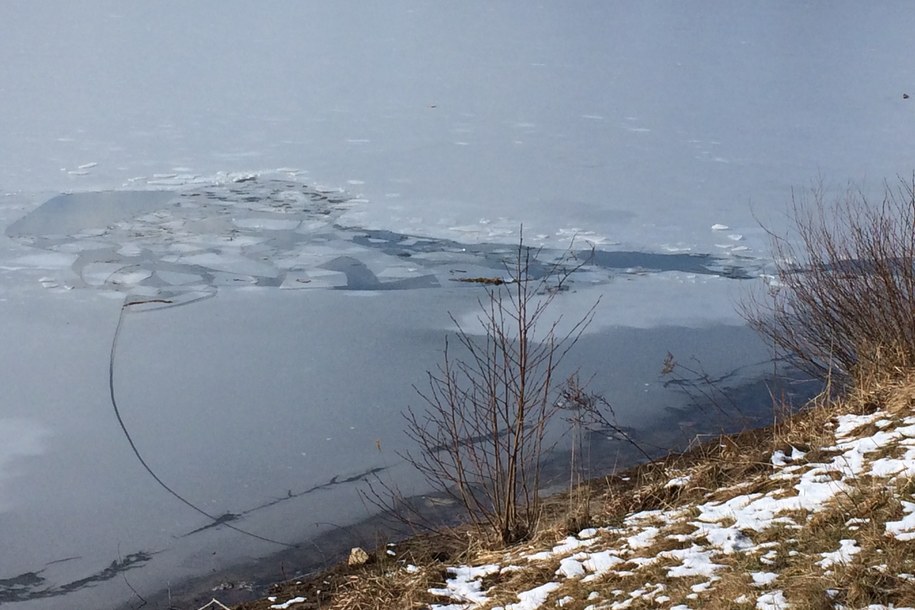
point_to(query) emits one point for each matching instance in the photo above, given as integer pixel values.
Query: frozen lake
(194, 370)
(231, 234)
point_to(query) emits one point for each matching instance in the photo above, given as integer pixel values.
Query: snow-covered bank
(815, 512)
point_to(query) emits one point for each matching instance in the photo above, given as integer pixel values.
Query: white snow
(644, 538)
(694, 561)
(601, 562)
(533, 599)
(677, 482)
(289, 604)
(761, 579)
(571, 543)
(846, 424)
(570, 567)
(903, 529)
(847, 549)
(463, 586)
(726, 528)
(774, 600)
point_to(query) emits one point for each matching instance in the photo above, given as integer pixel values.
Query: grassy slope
(809, 513)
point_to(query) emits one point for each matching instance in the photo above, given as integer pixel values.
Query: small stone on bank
(357, 557)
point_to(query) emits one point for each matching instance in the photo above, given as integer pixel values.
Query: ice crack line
(217, 520)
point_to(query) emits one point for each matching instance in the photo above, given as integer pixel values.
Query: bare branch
(481, 436)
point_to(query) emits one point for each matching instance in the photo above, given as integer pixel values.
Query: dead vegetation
(480, 429)
(815, 511)
(486, 281)
(842, 302)
(643, 499)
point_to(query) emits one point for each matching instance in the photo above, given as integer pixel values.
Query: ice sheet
(630, 124)
(272, 231)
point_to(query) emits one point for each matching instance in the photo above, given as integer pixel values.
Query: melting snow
(904, 529)
(761, 579)
(847, 549)
(464, 586)
(533, 599)
(774, 600)
(292, 602)
(722, 528)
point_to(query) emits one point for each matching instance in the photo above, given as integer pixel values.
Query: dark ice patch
(74, 212)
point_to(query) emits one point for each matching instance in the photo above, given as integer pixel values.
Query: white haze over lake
(391, 147)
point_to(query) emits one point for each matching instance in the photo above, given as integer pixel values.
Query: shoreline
(748, 520)
(249, 581)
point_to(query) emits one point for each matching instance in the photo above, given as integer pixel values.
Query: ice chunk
(231, 263)
(97, 274)
(129, 277)
(270, 224)
(177, 278)
(313, 278)
(47, 260)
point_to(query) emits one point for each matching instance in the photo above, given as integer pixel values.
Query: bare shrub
(487, 410)
(842, 303)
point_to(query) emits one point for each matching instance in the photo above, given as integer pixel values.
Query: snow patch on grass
(698, 541)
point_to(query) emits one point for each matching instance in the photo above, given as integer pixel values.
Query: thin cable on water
(136, 451)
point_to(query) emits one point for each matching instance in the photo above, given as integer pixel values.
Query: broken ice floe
(253, 232)
(270, 231)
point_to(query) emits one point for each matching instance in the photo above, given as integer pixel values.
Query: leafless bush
(842, 302)
(481, 434)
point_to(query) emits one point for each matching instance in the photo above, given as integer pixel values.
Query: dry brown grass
(384, 589)
(717, 471)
